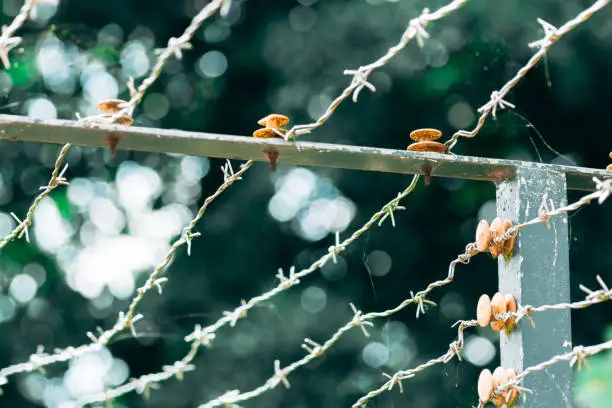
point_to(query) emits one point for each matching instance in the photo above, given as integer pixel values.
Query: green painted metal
(538, 273)
(21, 128)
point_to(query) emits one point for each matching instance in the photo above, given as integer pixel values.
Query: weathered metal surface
(300, 153)
(538, 274)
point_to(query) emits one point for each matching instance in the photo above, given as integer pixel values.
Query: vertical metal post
(538, 273)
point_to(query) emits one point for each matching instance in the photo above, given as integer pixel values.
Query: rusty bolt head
(274, 121)
(125, 120)
(500, 377)
(513, 392)
(498, 303)
(510, 307)
(508, 245)
(265, 133)
(497, 229)
(485, 385)
(427, 146)
(425, 135)
(483, 311)
(111, 105)
(498, 306)
(483, 236)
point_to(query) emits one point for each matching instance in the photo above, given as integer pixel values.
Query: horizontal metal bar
(301, 153)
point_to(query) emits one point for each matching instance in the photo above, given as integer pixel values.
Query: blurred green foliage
(288, 56)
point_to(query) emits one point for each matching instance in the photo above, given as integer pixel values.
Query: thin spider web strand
(416, 28)
(552, 35)
(203, 336)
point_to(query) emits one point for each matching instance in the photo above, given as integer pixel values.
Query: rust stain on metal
(272, 156)
(112, 140)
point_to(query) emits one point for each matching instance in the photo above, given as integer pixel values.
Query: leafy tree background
(288, 56)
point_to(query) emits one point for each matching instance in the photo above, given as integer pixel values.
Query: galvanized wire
(128, 318)
(57, 179)
(416, 29)
(316, 350)
(175, 48)
(7, 40)
(577, 355)
(204, 336)
(551, 36)
(604, 190)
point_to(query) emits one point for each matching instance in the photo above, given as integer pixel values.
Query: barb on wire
(316, 350)
(57, 178)
(7, 39)
(593, 297)
(204, 336)
(551, 36)
(604, 189)
(129, 317)
(416, 28)
(175, 48)
(578, 356)
(456, 347)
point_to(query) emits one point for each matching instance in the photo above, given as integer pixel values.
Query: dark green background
(566, 98)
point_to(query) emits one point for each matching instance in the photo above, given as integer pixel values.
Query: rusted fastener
(273, 129)
(111, 107)
(485, 235)
(488, 382)
(424, 139)
(488, 308)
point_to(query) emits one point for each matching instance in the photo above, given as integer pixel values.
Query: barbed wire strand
(578, 355)
(57, 179)
(456, 347)
(204, 336)
(128, 318)
(416, 29)
(7, 39)
(551, 36)
(359, 320)
(317, 350)
(604, 190)
(174, 48)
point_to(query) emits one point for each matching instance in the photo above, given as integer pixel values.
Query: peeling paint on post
(538, 273)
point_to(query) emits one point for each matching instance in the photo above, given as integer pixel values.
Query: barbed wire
(593, 297)
(578, 355)
(316, 350)
(604, 190)
(128, 318)
(552, 34)
(7, 43)
(7, 40)
(57, 179)
(456, 347)
(416, 29)
(175, 48)
(204, 336)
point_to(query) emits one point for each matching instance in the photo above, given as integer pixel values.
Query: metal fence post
(537, 274)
